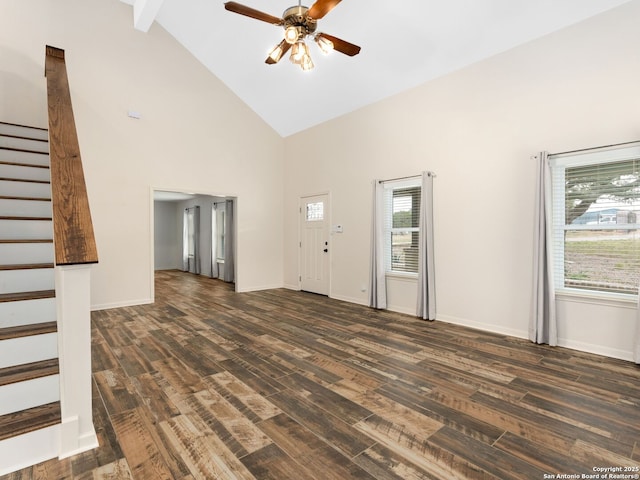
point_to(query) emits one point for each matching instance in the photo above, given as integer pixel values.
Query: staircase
(29, 371)
(45, 330)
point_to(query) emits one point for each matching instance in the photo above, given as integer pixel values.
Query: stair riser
(25, 208)
(25, 189)
(17, 351)
(19, 253)
(31, 393)
(29, 449)
(16, 281)
(21, 131)
(24, 144)
(24, 173)
(41, 444)
(26, 229)
(26, 312)
(29, 158)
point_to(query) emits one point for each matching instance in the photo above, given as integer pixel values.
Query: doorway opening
(194, 233)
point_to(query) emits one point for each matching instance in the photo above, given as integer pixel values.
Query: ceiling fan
(299, 22)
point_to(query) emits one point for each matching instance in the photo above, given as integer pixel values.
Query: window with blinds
(401, 217)
(596, 215)
(218, 221)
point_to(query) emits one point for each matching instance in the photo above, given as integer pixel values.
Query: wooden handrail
(72, 227)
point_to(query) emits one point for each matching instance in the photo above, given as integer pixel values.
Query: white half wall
(477, 129)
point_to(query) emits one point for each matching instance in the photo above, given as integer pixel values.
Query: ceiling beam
(144, 13)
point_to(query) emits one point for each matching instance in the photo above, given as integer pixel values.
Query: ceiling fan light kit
(291, 34)
(299, 22)
(276, 54)
(325, 45)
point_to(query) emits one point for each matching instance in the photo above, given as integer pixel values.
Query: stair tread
(16, 297)
(29, 420)
(26, 180)
(26, 240)
(43, 129)
(26, 266)
(22, 137)
(26, 150)
(29, 371)
(14, 197)
(22, 164)
(27, 331)
(6, 217)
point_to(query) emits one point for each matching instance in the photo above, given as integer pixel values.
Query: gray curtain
(185, 240)
(542, 322)
(229, 241)
(215, 273)
(191, 240)
(196, 240)
(426, 308)
(377, 278)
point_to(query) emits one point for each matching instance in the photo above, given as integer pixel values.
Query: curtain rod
(431, 174)
(593, 148)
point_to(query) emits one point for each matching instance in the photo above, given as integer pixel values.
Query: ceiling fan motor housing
(297, 17)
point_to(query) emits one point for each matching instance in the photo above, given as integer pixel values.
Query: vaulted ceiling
(404, 43)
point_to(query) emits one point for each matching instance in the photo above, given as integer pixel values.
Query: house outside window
(596, 210)
(401, 215)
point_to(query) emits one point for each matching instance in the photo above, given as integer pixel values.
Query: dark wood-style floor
(207, 383)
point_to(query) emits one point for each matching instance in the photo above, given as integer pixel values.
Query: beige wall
(477, 128)
(195, 135)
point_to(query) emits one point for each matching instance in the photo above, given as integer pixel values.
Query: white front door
(314, 244)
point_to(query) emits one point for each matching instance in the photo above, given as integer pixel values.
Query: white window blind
(401, 217)
(596, 215)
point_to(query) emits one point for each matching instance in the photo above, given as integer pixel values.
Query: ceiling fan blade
(235, 7)
(321, 8)
(285, 48)
(341, 45)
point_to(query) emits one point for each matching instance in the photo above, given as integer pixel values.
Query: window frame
(559, 163)
(390, 187)
(220, 210)
(314, 214)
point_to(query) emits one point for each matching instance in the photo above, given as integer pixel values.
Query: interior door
(314, 244)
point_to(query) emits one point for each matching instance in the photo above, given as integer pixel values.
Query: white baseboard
(562, 342)
(291, 287)
(258, 288)
(82, 443)
(124, 303)
(499, 329)
(596, 349)
(403, 310)
(344, 298)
